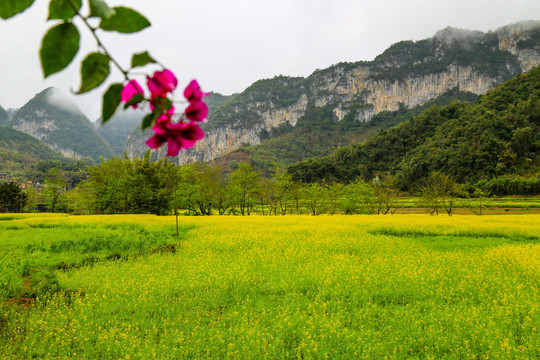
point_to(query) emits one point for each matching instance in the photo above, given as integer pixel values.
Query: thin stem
(100, 44)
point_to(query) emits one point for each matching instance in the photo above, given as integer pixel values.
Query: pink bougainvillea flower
(161, 83)
(131, 89)
(197, 111)
(193, 92)
(176, 135)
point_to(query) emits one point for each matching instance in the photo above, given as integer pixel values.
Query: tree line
(140, 186)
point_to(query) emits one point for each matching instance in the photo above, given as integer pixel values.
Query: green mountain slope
(58, 123)
(4, 116)
(497, 135)
(19, 151)
(317, 134)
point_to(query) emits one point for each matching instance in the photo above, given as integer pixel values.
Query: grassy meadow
(282, 287)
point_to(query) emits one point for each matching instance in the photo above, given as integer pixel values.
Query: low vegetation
(406, 286)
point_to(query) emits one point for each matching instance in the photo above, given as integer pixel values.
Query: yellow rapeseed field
(260, 287)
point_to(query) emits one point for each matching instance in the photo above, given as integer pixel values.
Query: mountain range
(289, 119)
(406, 75)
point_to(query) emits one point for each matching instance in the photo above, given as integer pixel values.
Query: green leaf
(59, 47)
(111, 101)
(161, 104)
(141, 59)
(9, 8)
(147, 121)
(63, 9)
(137, 98)
(125, 20)
(98, 8)
(94, 71)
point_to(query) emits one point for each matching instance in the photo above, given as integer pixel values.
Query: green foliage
(532, 40)
(9, 8)
(510, 185)
(124, 20)
(111, 101)
(74, 171)
(141, 59)
(59, 47)
(55, 186)
(98, 8)
(499, 134)
(439, 191)
(245, 186)
(215, 100)
(12, 198)
(357, 198)
(63, 9)
(94, 70)
(131, 187)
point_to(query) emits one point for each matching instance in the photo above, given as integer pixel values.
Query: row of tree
(125, 186)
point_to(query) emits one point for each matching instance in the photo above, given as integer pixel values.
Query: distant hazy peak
(519, 27)
(59, 100)
(450, 35)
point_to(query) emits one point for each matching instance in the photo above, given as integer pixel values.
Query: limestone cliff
(407, 74)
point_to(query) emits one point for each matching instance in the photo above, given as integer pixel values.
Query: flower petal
(155, 141)
(197, 111)
(192, 131)
(161, 83)
(131, 89)
(193, 92)
(173, 146)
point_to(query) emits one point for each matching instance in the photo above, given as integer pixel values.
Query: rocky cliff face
(407, 74)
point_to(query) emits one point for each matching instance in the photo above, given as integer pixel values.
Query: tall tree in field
(188, 190)
(282, 184)
(385, 192)
(439, 192)
(222, 192)
(267, 196)
(296, 194)
(357, 198)
(33, 197)
(207, 184)
(55, 187)
(245, 186)
(314, 197)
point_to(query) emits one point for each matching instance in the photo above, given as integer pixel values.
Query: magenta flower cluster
(178, 135)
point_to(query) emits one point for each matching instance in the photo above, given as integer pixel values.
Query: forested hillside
(51, 118)
(4, 116)
(317, 134)
(19, 151)
(496, 136)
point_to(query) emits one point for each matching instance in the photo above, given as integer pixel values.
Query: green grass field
(280, 287)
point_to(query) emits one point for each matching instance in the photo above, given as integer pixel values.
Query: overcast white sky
(228, 45)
